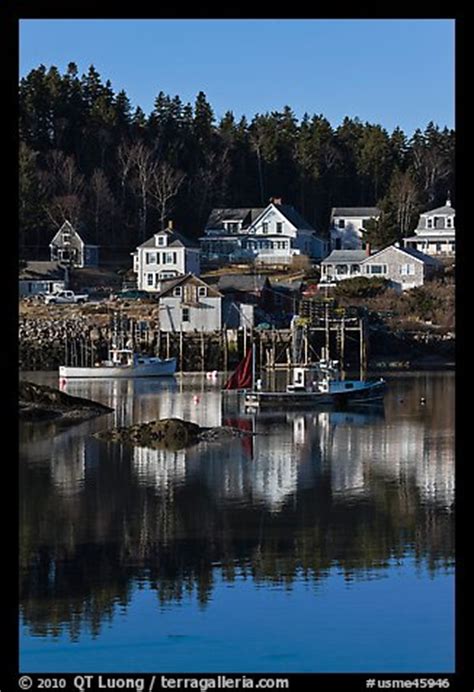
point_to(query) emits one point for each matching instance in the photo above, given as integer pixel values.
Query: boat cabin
(304, 378)
(121, 356)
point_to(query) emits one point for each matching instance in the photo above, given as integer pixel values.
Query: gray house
(342, 264)
(68, 247)
(405, 268)
(38, 278)
(189, 304)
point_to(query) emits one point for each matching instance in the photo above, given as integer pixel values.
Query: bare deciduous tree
(165, 185)
(102, 200)
(64, 187)
(144, 167)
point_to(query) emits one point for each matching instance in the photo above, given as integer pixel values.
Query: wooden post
(362, 354)
(167, 344)
(202, 351)
(181, 349)
(343, 344)
(226, 355)
(326, 325)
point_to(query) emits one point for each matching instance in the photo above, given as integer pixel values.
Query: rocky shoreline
(169, 433)
(41, 403)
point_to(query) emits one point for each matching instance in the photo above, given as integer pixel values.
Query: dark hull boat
(350, 392)
(313, 385)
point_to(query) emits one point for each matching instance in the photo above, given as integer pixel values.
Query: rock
(38, 402)
(169, 433)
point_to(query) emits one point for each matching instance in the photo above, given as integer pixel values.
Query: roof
(41, 271)
(242, 282)
(355, 211)
(416, 254)
(345, 256)
(169, 285)
(446, 209)
(175, 239)
(294, 216)
(84, 233)
(218, 216)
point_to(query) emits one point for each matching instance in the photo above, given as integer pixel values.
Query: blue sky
(392, 72)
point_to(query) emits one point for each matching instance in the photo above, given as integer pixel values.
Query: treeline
(87, 156)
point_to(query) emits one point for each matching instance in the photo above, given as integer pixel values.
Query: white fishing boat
(122, 362)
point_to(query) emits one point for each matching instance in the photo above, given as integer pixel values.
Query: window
(149, 279)
(161, 240)
(185, 315)
(449, 222)
(178, 291)
(265, 227)
(169, 258)
(407, 269)
(279, 227)
(66, 237)
(377, 268)
(341, 223)
(338, 244)
(202, 291)
(429, 223)
(150, 257)
(232, 226)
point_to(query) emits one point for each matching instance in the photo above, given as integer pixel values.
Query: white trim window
(279, 226)
(377, 269)
(150, 257)
(185, 314)
(161, 240)
(429, 222)
(449, 222)
(265, 227)
(178, 291)
(202, 291)
(407, 269)
(150, 279)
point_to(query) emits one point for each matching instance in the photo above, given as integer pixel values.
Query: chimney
(170, 225)
(275, 200)
(367, 249)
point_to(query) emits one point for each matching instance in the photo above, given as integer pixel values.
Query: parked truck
(63, 297)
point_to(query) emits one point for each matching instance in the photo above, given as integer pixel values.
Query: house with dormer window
(69, 247)
(435, 232)
(271, 235)
(166, 255)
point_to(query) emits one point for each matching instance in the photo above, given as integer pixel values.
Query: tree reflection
(176, 522)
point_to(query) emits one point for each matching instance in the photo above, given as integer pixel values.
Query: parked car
(65, 297)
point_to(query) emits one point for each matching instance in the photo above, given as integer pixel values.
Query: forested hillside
(86, 155)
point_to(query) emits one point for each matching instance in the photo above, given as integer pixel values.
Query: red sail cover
(241, 378)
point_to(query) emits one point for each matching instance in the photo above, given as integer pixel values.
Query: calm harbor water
(324, 543)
